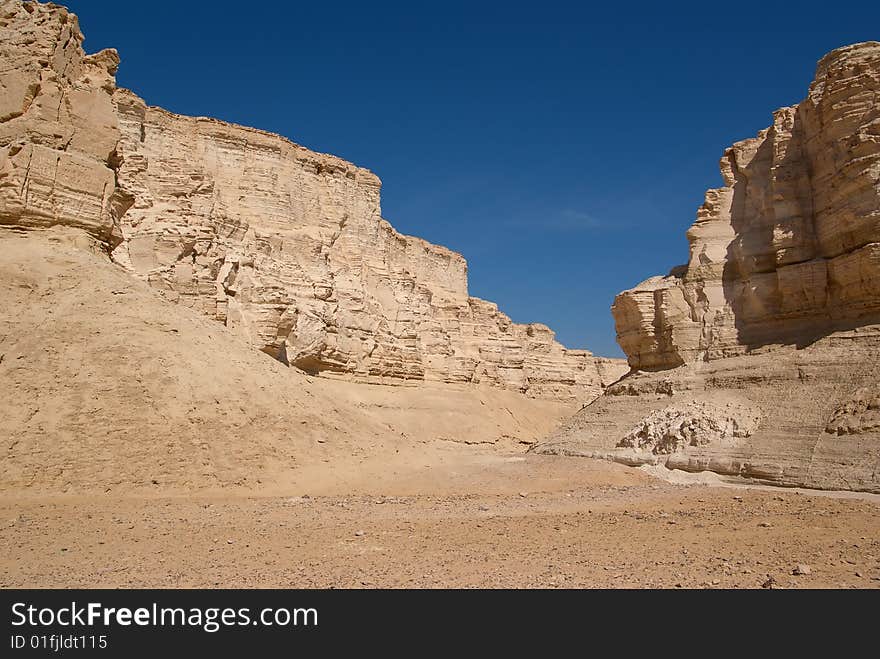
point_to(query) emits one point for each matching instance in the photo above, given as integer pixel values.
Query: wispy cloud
(577, 220)
(567, 220)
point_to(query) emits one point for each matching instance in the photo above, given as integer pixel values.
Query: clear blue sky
(563, 148)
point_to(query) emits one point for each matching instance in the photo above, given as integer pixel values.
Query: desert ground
(451, 516)
(221, 366)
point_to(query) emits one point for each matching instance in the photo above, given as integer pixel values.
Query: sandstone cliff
(789, 249)
(795, 417)
(288, 248)
(285, 246)
(109, 388)
(58, 126)
(760, 357)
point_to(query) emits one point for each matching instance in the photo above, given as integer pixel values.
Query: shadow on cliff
(750, 277)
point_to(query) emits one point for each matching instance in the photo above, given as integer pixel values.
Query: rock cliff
(288, 248)
(109, 388)
(285, 246)
(760, 357)
(58, 126)
(789, 249)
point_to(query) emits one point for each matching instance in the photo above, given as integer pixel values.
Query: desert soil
(449, 516)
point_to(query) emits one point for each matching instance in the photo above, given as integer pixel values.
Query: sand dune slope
(107, 387)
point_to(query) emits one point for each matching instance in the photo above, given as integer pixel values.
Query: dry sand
(451, 517)
(143, 445)
(107, 388)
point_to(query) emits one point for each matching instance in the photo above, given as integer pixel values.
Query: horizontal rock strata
(803, 417)
(285, 246)
(58, 125)
(288, 248)
(789, 249)
(108, 388)
(760, 357)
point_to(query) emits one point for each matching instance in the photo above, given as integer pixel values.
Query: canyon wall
(288, 248)
(789, 249)
(284, 246)
(760, 357)
(58, 126)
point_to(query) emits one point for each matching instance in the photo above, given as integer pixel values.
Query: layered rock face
(109, 388)
(288, 248)
(789, 249)
(285, 246)
(760, 357)
(58, 126)
(806, 417)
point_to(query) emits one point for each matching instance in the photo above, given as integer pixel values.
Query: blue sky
(563, 148)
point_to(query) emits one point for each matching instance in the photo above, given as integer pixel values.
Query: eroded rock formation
(697, 423)
(285, 246)
(58, 126)
(288, 248)
(789, 249)
(774, 324)
(805, 417)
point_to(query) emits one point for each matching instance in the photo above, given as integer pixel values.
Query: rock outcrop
(674, 428)
(285, 246)
(288, 248)
(58, 126)
(109, 388)
(789, 249)
(760, 357)
(794, 417)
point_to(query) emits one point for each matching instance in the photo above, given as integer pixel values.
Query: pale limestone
(817, 427)
(776, 315)
(288, 248)
(284, 246)
(58, 126)
(789, 249)
(698, 423)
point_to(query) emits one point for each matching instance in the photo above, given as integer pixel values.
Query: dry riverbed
(461, 519)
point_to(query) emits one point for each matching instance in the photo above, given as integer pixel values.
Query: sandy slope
(108, 388)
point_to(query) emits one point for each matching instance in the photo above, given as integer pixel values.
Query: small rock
(229, 542)
(484, 507)
(737, 498)
(524, 494)
(766, 525)
(770, 583)
(360, 533)
(801, 570)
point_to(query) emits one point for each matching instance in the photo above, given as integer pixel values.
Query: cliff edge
(760, 357)
(284, 246)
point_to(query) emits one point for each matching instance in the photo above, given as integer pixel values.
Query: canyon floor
(146, 446)
(450, 516)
